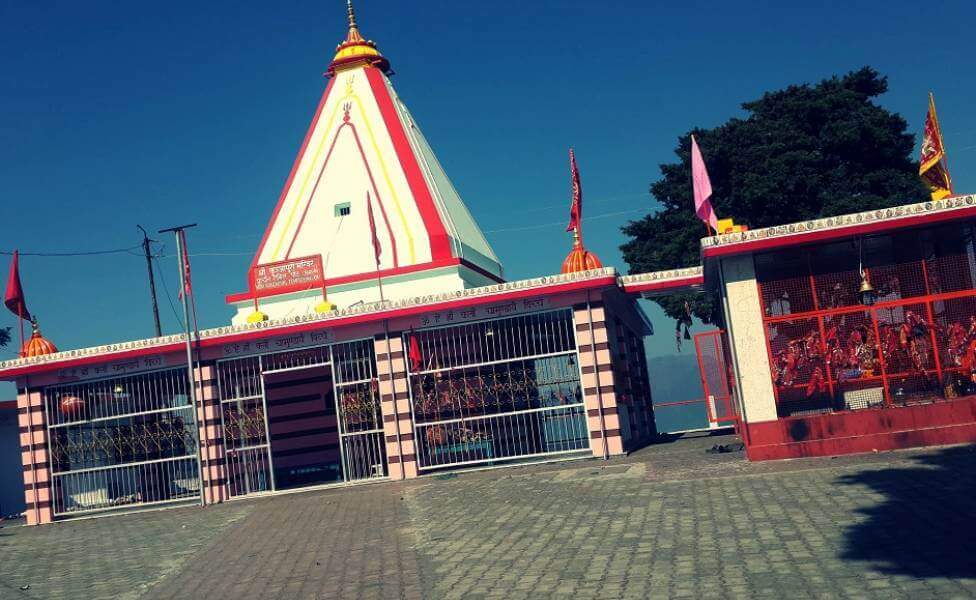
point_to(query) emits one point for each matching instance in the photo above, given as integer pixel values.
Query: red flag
(416, 358)
(377, 249)
(186, 267)
(576, 210)
(15, 292)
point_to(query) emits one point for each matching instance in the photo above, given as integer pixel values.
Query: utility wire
(169, 298)
(88, 253)
(555, 223)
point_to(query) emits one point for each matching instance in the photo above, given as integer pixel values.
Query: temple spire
(353, 35)
(355, 49)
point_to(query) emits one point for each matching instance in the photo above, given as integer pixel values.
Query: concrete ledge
(937, 424)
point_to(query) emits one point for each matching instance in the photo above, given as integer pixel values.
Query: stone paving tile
(341, 543)
(112, 557)
(667, 522)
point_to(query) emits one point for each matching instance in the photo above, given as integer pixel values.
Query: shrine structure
(377, 339)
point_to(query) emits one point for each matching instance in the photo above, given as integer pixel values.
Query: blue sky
(117, 114)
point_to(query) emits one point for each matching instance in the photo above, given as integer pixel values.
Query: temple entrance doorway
(301, 418)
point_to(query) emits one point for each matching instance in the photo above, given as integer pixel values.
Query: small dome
(356, 49)
(581, 259)
(37, 345)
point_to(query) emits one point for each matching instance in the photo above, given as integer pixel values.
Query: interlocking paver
(669, 521)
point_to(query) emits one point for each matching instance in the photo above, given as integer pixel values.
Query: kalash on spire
(367, 213)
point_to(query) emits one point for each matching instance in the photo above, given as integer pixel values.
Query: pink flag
(703, 187)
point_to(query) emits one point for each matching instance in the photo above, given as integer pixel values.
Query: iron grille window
(495, 390)
(122, 441)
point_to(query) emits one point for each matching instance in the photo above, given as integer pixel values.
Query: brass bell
(866, 291)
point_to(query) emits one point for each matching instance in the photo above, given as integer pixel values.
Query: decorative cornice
(486, 292)
(829, 223)
(662, 276)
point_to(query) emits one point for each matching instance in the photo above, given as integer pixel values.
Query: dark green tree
(4, 336)
(803, 152)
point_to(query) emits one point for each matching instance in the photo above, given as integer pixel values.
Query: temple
(363, 154)
(377, 340)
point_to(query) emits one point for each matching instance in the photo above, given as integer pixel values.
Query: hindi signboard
(293, 274)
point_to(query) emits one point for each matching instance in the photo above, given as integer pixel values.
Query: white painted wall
(323, 180)
(746, 332)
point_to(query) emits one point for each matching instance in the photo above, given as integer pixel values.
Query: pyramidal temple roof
(362, 143)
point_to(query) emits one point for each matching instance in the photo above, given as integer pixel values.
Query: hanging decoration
(72, 406)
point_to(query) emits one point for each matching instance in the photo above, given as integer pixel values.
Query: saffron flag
(416, 358)
(377, 249)
(576, 210)
(15, 292)
(932, 166)
(702, 187)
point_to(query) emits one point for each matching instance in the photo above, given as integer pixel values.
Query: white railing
(495, 438)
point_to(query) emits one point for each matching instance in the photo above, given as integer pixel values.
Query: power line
(555, 223)
(88, 253)
(169, 298)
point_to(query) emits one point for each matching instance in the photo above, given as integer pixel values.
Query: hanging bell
(867, 292)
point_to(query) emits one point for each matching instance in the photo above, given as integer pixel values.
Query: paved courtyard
(669, 521)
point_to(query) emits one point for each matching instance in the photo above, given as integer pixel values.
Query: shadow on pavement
(926, 524)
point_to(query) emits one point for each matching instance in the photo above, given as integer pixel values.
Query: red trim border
(396, 313)
(452, 262)
(810, 237)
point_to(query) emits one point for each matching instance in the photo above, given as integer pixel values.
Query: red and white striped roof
(363, 140)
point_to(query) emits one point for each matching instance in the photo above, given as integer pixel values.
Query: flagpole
(20, 321)
(191, 375)
(379, 282)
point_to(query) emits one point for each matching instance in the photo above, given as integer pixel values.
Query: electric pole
(152, 279)
(185, 292)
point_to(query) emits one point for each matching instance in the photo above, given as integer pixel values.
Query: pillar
(35, 456)
(391, 369)
(213, 460)
(596, 367)
(748, 337)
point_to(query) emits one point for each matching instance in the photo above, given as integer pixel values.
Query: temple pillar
(213, 461)
(35, 456)
(748, 338)
(391, 369)
(597, 380)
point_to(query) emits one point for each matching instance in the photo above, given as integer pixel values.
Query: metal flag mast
(185, 287)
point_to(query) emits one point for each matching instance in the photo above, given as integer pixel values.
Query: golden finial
(352, 14)
(356, 49)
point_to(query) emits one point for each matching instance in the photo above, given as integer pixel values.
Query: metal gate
(358, 407)
(497, 390)
(244, 412)
(716, 376)
(243, 415)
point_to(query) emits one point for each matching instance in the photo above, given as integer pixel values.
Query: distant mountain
(675, 377)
